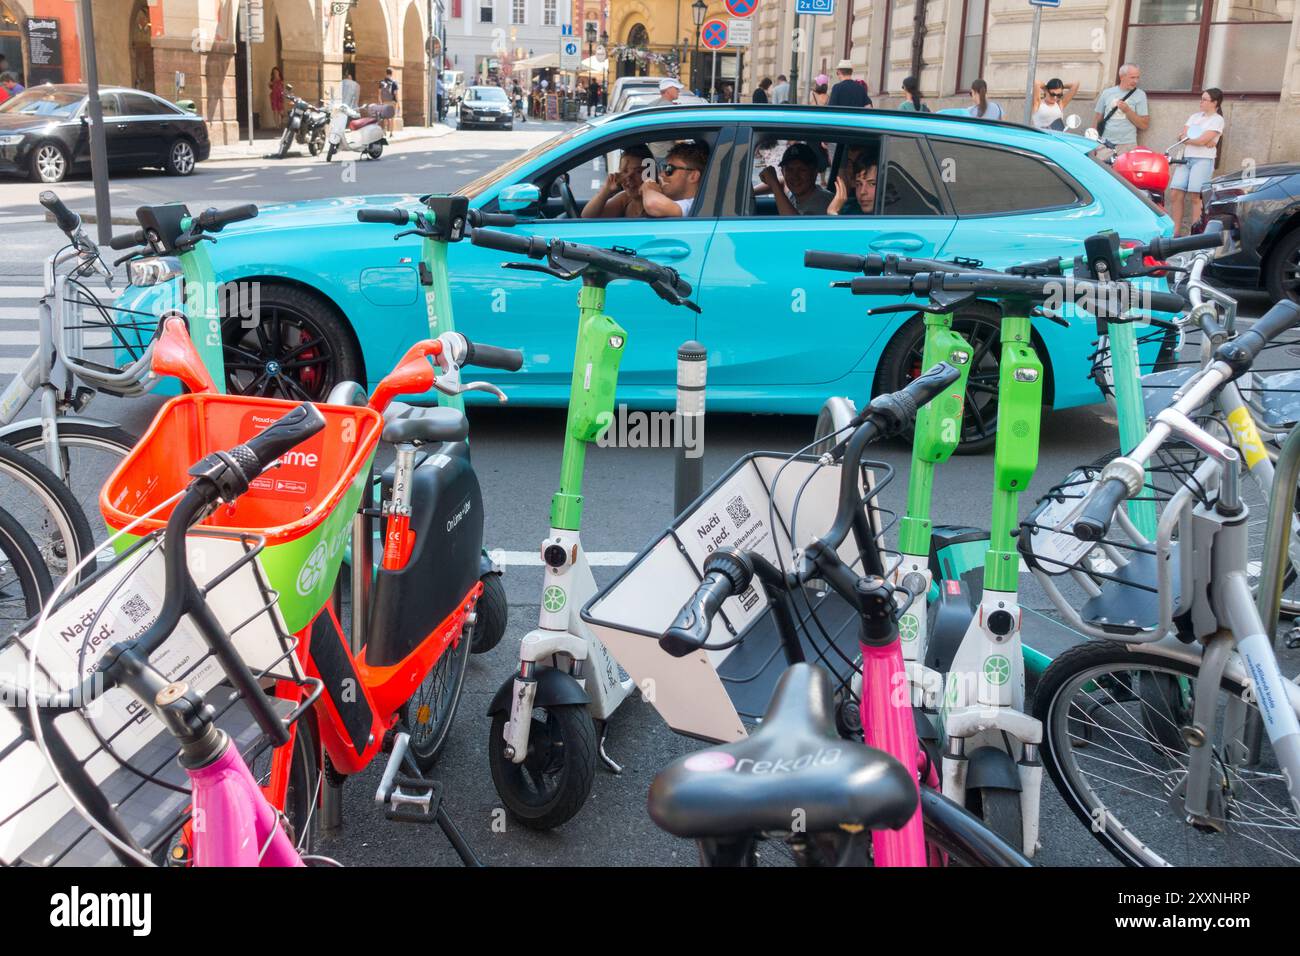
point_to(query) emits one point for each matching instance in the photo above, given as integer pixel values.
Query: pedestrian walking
(593, 97)
(820, 93)
(848, 91)
(1050, 100)
(760, 91)
(388, 99)
(1121, 110)
(1204, 134)
(781, 91)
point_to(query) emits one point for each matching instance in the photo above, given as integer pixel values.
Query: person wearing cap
(848, 91)
(801, 195)
(669, 90)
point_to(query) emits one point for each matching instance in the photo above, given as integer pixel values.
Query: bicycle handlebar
(726, 572)
(67, 220)
(1094, 521)
(1240, 353)
(493, 356)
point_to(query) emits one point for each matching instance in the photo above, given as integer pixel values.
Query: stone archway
(141, 42)
(369, 34)
(415, 62)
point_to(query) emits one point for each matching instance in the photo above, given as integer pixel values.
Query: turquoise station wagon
(780, 339)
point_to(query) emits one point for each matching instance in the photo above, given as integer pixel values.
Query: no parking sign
(741, 8)
(714, 34)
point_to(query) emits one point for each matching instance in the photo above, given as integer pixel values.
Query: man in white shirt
(669, 90)
(679, 181)
(350, 89)
(781, 92)
(1124, 109)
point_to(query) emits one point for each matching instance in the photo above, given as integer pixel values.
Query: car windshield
(491, 94)
(44, 103)
(505, 169)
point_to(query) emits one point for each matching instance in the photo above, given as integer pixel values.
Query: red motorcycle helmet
(1144, 168)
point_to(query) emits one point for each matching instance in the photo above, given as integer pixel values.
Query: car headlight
(12, 140)
(1243, 187)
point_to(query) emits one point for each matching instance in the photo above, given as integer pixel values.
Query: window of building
(886, 11)
(549, 13)
(485, 11)
(985, 180)
(970, 55)
(517, 12)
(1184, 46)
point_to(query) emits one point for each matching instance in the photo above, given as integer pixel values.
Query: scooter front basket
(764, 502)
(303, 506)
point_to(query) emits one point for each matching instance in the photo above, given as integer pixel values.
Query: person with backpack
(1122, 110)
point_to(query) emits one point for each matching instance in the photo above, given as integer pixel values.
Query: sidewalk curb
(436, 132)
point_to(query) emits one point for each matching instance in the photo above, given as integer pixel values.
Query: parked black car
(44, 132)
(1263, 204)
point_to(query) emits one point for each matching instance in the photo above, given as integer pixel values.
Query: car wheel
(181, 158)
(1283, 273)
(297, 347)
(980, 326)
(49, 163)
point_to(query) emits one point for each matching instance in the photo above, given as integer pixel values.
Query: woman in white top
(1050, 100)
(1202, 132)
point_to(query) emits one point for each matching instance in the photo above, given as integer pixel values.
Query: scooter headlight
(153, 270)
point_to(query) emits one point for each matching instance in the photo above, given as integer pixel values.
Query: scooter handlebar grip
(1164, 301)
(500, 219)
(1099, 510)
(834, 261)
(492, 356)
(68, 220)
(532, 246)
(1162, 247)
(214, 220)
(881, 285)
(393, 217)
(127, 240)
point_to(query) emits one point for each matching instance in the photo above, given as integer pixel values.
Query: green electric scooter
(549, 718)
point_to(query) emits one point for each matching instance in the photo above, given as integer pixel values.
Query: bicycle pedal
(414, 800)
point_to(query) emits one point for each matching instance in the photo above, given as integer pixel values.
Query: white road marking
(19, 220)
(21, 291)
(12, 366)
(234, 179)
(533, 559)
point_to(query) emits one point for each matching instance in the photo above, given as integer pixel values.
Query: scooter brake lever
(539, 267)
(1043, 313)
(907, 307)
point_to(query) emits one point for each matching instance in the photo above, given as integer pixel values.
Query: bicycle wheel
(1114, 745)
(24, 579)
(90, 455)
(429, 712)
(46, 508)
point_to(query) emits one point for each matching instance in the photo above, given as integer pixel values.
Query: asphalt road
(629, 497)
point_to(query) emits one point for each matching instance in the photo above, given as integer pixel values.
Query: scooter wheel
(315, 145)
(1000, 811)
(553, 782)
(492, 611)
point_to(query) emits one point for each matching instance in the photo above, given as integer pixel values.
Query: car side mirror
(1073, 122)
(520, 198)
(1091, 134)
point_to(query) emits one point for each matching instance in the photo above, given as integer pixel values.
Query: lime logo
(313, 569)
(997, 670)
(553, 599)
(908, 628)
(1020, 428)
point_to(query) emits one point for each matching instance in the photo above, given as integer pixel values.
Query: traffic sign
(570, 57)
(816, 8)
(714, 34)
(741, 8)
(740, 32)
(1044, 3)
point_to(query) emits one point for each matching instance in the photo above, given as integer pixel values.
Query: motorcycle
(1144, 168)
(354, 130)
(306, 123)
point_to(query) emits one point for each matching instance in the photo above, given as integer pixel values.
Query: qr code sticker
(738, 511)
(136, 608)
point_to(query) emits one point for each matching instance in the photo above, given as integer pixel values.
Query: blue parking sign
(817, 8)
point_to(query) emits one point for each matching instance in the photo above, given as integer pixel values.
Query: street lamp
(604, 42)
(698, 10)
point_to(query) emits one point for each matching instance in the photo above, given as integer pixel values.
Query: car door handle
(898, 243)
(664, 249)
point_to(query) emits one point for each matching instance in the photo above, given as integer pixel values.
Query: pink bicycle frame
(887, 725)
(232, 820)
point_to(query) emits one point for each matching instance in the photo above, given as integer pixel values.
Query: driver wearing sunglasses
(679, 181)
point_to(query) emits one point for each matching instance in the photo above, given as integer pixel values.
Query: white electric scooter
(352, 130)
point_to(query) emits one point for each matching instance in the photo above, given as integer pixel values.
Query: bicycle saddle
(427, 426)
(794, 770)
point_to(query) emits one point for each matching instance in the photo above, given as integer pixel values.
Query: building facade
(1248, 48)
(659, 38)
(189, 49)
(484, 37)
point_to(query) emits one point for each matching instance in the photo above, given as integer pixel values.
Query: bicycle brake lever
(455, 387)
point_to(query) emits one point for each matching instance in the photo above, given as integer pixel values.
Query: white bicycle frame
(53, 369)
